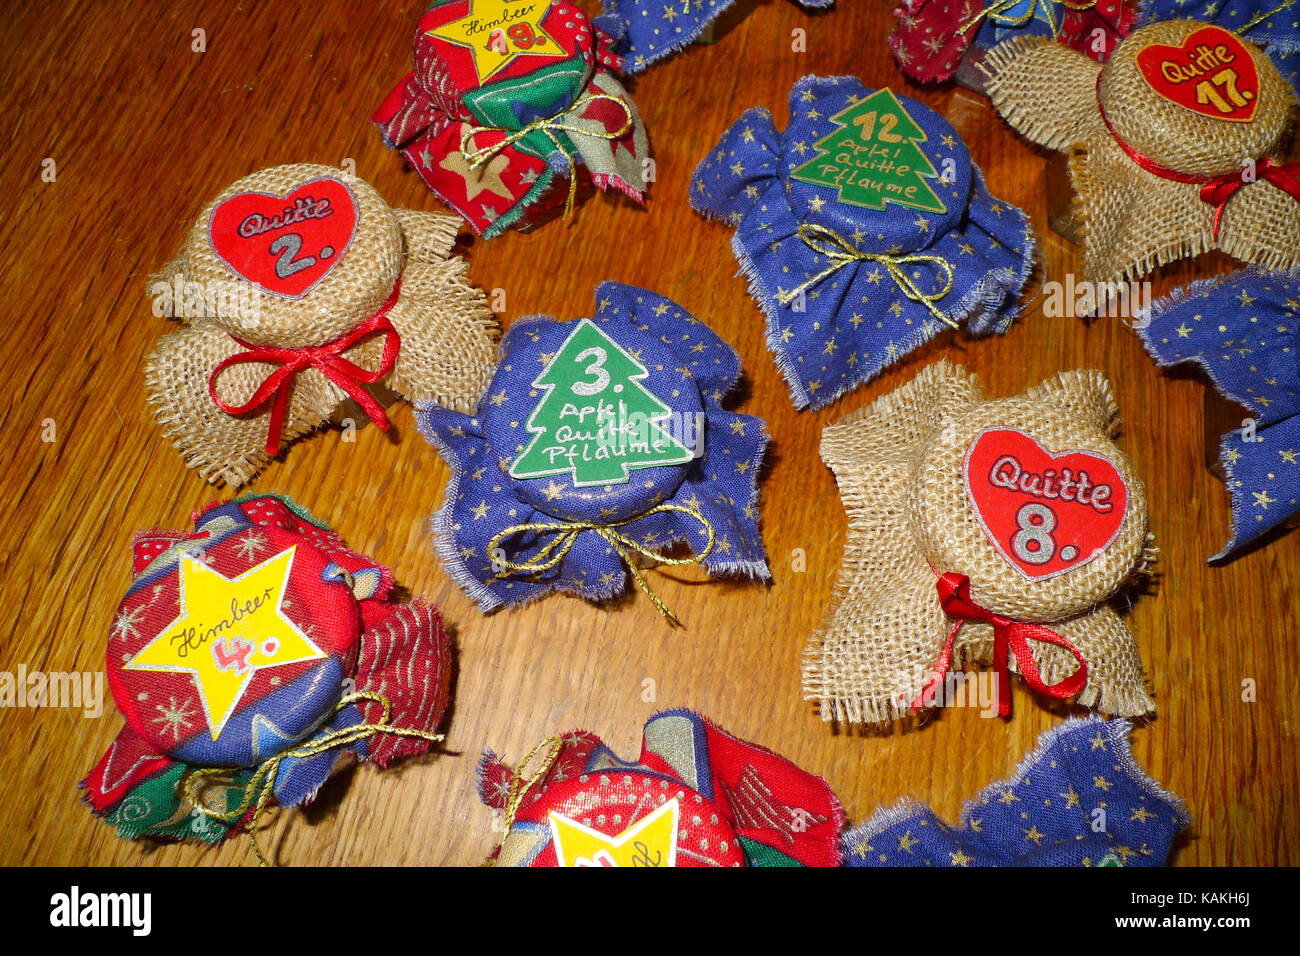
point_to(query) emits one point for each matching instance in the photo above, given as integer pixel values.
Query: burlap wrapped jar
(1136, 219)
(901, 468)
(233, 299)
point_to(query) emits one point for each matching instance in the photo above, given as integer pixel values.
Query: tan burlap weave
(447, 352)
(1134, 220)
(899, 465)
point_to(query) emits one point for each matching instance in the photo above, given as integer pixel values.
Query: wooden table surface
(142, 130)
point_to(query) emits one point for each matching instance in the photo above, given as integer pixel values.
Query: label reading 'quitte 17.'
(1212, 74)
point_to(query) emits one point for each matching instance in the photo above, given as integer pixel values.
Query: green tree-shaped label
(596, 421)
(873, 157)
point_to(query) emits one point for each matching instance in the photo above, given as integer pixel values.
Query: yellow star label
(650, 842)
(497, 32)
(227, 630)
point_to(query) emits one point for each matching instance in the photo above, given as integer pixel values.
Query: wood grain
(143, 130)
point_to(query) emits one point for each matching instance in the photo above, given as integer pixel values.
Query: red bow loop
(327, 359)
(1220, 189)
(1009, 637)
(1215, 190)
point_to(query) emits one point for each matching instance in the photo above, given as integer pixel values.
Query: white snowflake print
(250, 544)
(124, 625)
(174, 718)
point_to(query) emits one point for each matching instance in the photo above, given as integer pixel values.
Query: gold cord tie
(261, 787)
(1001, 6)
(547, 125)
(566, 536)
(841, 252)
(519, 787)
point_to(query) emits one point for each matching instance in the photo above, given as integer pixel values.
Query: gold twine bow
(547, 125)
(1259, 18)
(519, 787)
(566, 536)
(1001, 6)
(261, 787)
(841, 252)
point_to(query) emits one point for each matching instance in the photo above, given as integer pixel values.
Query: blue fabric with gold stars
(851, 316)
(1079, 799)
(650, 30)
(1026, 18)
(1275, 26)
(690, 370)
(1242, 329)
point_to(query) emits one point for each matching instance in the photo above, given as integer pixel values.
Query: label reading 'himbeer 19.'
(1212, 74)
(1045, 513)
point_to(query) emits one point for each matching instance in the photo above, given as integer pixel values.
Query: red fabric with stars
(756, 794)
(929, 48)
(426, 117)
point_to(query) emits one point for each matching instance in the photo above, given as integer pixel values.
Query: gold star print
(1262, 499)
(948, 141)
(1289, 456)
(747, 136)
(1071, 798)
(906, 842)
(960, 859)
(1101, 783)
(742, 467)
(1183, 331)
(1233, 456)
(896, 309)
(1141, 815)
(830, 347)
(816, 203)
(498, 399)
(1033, 834)
(670, 13)
(483, 32)
(486, 178)
(456, 431)
(738, 428)
(738, 169)
(481, 511)
(553, 491)
(921, 223)
(1246, 298)
(813, 386)
(1098, 742)
(1008, 797)
(660, 309)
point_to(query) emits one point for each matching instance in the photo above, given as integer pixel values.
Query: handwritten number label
(287, 247)
(596, 368)
(1033, 542)
(867, 122)
(520, 36)
(1220, 91)
(235, 656)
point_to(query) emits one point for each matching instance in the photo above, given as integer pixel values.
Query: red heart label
(285, 244)
(1045, 513)
(1212, 74)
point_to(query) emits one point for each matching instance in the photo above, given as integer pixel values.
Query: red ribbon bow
(1215, 190)
(326, 359)
(954, 597)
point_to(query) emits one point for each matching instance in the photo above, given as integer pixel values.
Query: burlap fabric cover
(1135, 220)
(446, 330)
(899, 465)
